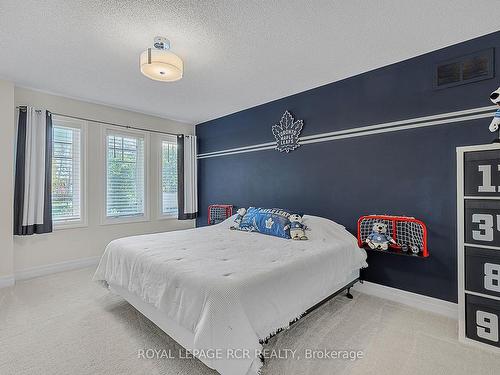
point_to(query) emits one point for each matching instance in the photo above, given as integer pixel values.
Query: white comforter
(232, 288)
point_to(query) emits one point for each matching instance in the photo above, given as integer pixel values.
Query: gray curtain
(32, 191)
(187, 177)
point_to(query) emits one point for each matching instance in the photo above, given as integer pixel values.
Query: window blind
(66, 174)
(124, 175)
(169, 177)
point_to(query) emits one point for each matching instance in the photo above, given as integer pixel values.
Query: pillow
(229, 222)
(272, 221)
(236, 219)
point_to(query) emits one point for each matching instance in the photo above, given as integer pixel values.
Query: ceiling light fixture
(160, 64)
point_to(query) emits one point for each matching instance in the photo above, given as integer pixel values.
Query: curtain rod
(106, 123)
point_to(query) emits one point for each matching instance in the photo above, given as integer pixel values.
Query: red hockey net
(219, 212)
(408, 232)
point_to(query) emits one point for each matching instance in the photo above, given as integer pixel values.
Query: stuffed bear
(495, 123)
(378, 238)
(241, 212)
(297, 229)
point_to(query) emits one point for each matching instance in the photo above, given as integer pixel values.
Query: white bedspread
(232, 288)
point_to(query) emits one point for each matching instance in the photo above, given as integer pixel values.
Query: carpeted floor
(65, 324)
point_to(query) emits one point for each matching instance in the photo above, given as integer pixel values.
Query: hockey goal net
(217, 213)
(409, 233)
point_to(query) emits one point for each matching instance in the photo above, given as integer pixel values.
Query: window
(168, 181)
(67, 172)
(125, 176)
(466, 69)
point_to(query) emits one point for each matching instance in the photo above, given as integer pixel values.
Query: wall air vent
(465, 69)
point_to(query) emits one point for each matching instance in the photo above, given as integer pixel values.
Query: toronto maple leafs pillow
(272, 221)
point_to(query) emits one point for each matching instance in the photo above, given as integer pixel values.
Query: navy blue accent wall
(411, 172)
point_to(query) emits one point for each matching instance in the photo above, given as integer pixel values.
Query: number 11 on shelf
(487, 187)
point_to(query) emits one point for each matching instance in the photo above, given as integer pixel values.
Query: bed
(220, 293)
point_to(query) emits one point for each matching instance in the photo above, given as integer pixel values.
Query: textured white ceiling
(237, 54)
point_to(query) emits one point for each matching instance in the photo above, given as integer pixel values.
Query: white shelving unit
(478, 223)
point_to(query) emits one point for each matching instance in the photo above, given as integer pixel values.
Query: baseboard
(29, 273)
(417, 301)
(6, 281)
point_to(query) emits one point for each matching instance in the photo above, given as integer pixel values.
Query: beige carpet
(65, 324)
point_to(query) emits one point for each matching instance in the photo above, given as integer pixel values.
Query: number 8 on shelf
(492, 277)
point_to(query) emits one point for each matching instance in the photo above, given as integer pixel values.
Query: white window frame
(105, 220)
(83, 127)
(172, 139)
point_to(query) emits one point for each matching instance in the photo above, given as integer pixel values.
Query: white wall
(71, 244)
(6, 177)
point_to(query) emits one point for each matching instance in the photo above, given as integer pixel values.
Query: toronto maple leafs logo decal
(287, 133)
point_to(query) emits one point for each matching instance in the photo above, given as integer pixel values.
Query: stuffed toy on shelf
(378, 239)
(495, 122)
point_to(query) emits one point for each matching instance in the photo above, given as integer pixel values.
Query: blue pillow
(272, 221)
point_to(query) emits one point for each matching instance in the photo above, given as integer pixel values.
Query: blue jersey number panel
(482, 271)
(482, 173)
(482, 319)
(482, 222)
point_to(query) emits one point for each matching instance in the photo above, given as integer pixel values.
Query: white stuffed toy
(495, 123)
(378, 238)
(297, 228)
(241, 212)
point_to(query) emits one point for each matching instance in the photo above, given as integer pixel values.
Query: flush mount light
(160, 64)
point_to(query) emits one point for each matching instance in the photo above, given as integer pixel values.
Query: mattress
(231, 289)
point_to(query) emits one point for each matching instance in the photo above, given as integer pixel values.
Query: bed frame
(346, 288)
(186, 338)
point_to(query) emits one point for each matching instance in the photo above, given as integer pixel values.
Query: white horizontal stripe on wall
(414, 123)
